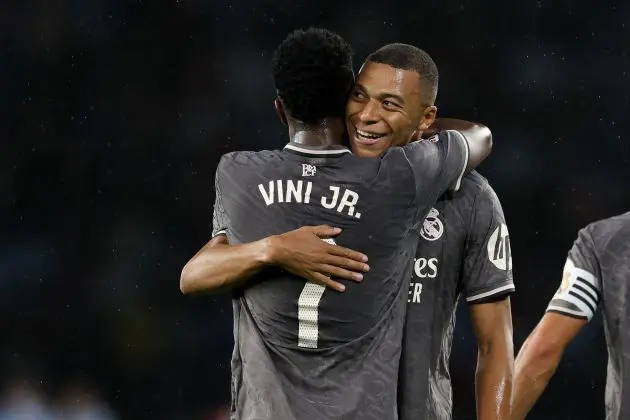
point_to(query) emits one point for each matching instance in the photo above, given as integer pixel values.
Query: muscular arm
(219, 266)
(492, 323)
(570, 309)
(538, 359)
(478, 135)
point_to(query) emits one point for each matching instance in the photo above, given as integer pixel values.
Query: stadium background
(114, 115)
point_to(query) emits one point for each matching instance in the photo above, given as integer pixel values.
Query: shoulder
(473, 188)
(475, 183)
(246, 158)
(619, 223)
(603, 231)
(478, 189)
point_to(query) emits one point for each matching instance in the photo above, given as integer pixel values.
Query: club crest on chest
(432, 227)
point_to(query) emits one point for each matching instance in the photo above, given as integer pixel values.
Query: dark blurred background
(115, 114)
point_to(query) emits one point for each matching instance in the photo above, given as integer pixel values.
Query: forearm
(220, 267)
(493, 384)
(532, 374)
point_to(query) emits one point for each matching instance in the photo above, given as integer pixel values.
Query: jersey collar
(316, 151)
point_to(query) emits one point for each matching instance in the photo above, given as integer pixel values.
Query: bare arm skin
(492, 324)
(219, 266)
(538, 359)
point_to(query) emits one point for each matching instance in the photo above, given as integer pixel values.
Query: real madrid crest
(432, 227)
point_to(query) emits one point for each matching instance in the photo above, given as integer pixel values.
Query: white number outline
(308, 312)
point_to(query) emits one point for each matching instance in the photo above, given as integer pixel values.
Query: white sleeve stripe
(491, 292)
(220, 232)
(566, 311)
(467, 156)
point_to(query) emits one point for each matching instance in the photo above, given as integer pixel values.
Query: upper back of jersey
(315, 339)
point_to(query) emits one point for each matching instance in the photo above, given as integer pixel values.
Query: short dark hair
(312, 71)
(408, 57)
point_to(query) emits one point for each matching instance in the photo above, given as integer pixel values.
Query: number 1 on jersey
(308, 312)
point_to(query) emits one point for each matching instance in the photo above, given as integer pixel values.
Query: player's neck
(328, 132)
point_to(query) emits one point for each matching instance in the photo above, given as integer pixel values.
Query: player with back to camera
(302, 352)
(596, 274)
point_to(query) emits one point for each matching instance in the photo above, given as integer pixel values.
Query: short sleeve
(579, 293)
(487, 269)
(438, 163)
(220, 220)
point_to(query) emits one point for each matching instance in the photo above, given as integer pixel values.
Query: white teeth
(368, 135)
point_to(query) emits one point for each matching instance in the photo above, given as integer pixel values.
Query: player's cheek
(352, 110)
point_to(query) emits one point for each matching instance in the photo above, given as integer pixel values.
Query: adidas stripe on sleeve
(579, 294)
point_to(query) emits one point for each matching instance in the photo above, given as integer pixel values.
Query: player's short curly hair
(312, 71)
(408, 57)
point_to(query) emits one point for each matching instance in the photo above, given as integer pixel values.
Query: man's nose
(370, 113)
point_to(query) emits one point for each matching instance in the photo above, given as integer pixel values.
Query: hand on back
(306, 252)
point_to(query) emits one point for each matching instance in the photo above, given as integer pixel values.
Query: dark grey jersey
(302, 351)
(597, 274)
(464, 248)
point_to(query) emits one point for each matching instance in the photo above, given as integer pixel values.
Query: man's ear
(428, 118)
(280, 111)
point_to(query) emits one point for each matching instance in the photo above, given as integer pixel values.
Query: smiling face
(386, 108)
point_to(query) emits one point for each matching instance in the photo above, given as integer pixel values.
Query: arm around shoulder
(479, 140)
(478, 137)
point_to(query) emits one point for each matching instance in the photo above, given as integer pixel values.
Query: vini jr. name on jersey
(290, 191)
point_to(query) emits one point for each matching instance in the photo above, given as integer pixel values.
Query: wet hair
(408, 57)
(312, 72)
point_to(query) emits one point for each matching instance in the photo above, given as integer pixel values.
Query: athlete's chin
(369, 147)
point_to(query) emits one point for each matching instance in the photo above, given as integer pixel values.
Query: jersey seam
(462, 174)
(491, 287)
(469, 231)
(415, 184)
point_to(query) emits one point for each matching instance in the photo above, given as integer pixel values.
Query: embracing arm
(492, 323)
(219, 266)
